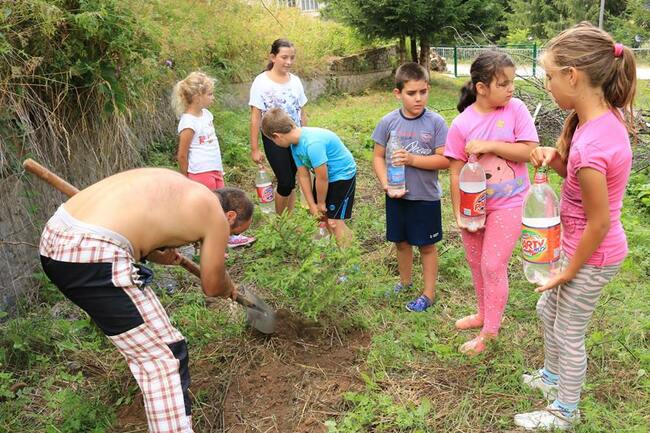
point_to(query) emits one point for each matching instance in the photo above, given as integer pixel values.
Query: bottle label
(395, 175)
(541, 245)
(265, 192)
(472, 204)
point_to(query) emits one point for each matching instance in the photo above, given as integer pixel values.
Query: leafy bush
(94, 49)
(319, 280)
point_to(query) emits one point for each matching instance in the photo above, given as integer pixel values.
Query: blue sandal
(419, 305)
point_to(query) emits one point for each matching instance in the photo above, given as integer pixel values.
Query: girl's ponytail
(179, 103)
(564, 140)
(620, 89)
(467, 96)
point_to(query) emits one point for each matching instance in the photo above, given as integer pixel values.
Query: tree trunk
(414, 49)
(425, 53)
(402, 49)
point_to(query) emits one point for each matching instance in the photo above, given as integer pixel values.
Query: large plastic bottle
(395, 174)
(264, 188)
(541, 231)
(473, 194)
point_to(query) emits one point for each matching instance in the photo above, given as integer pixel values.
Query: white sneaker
(547, 419)
(535, 381)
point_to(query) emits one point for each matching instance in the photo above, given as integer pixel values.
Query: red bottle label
(265, 193)
(472, 204)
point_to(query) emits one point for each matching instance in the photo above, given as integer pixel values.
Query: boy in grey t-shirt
(414, 219)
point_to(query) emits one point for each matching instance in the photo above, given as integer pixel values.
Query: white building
(307, 6)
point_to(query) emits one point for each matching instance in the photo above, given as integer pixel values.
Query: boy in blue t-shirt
(322, 152)
(414, 217)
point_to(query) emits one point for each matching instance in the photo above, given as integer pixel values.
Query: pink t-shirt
(604, 145)
(507, 181)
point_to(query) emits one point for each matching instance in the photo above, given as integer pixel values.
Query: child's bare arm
(425, 162)
(455, 166)
(184, 141)
(256, 117)
(379, 164)
(304, 180)
(517, 152)
(322, 184)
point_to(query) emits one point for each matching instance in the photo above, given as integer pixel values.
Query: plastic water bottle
(541, 231)
(264, 188)
(395, 173)
(473, 194)
(322, 235)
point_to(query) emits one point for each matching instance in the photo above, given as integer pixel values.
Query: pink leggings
(488, 252)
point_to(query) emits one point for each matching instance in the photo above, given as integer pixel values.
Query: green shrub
(319, 280)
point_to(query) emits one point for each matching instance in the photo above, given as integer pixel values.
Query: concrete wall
(236, 95)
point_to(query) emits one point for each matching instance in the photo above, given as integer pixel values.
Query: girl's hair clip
(618, 49)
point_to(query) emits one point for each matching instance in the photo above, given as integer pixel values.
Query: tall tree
(426, 21)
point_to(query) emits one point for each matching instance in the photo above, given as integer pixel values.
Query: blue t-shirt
(421, 135)
(318, 146)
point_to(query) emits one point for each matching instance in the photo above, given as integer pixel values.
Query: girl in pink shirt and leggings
(500, 130)
(590, 74)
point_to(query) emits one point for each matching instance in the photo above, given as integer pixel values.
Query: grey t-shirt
(420, 136)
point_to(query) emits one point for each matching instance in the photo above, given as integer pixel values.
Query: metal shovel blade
(258, 313)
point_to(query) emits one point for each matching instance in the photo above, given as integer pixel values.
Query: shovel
(258, 313)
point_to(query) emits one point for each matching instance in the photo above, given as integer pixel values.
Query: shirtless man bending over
(89, 249)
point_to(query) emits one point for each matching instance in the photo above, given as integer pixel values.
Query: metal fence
(459, 58)
(526, 59)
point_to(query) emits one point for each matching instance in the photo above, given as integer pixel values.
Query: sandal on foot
(420, 304)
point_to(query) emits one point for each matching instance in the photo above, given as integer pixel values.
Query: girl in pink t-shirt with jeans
(596, 78)
(500, 130)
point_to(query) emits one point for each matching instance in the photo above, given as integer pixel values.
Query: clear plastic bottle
(395, 174)
(473, 194)
(322, 235)
(264, 188)
(541, 231)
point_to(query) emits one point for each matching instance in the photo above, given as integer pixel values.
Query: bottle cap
(540, 175)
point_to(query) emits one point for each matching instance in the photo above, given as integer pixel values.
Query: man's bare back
(152, 207)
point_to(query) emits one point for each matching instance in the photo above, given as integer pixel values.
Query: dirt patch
(295, 382)
(291, 381)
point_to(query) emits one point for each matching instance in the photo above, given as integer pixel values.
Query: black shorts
(282, 164)
(417, 222)
(340, 198)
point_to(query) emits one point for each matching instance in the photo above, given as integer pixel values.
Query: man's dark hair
(410, 72)
(234, 199)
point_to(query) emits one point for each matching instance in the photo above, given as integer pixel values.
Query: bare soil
(291, 381)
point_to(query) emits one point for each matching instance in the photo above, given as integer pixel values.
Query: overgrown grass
(414, 378)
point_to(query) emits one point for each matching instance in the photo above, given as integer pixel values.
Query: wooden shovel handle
(60, 184)
(49, 177)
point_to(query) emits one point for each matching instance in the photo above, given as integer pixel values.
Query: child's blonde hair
(276, 121)
(197, 83)
(607, 65)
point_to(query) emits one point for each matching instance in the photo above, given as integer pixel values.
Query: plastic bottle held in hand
(473, 194)
(395, 173)
(264, 188)
(322, 234)
(541, 231)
